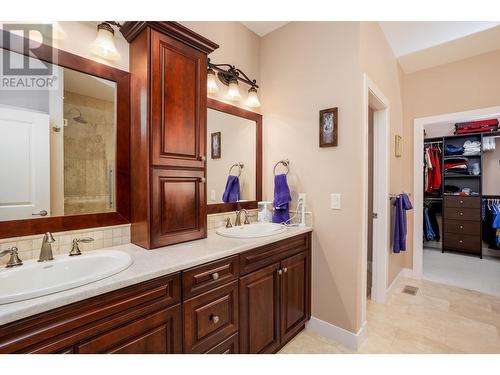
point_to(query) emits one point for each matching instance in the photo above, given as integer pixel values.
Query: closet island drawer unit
(462, 224)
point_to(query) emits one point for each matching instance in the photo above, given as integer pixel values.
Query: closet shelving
(460, 215)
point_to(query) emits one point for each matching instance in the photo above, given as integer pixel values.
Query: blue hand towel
(402, 205)
(232, 190)
(282, 198)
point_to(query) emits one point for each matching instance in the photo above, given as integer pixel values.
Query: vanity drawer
(458, 201)
(455, 213)
(210, 275)
(462, 242)
(262, 256)
(463, 227)
(210, 318)
(228, 346)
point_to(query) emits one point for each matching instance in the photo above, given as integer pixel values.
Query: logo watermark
(24, 57)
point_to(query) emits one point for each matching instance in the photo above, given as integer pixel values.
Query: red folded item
(451, 165)
(485, 129)
(475, 124)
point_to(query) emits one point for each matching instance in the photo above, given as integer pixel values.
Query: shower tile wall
(89, 155)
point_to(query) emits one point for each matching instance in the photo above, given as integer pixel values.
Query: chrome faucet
(46, 249)
(237, 222)
(75, 250)
(14, 257)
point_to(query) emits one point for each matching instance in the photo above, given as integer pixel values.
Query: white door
(24, 164)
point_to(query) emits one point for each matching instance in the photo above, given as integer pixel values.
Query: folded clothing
(476, 124)
(453, 150)
(462, 165)
(484, 129)
(451, 189)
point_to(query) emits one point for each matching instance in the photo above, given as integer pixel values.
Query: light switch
(212, 195)
(335, 201)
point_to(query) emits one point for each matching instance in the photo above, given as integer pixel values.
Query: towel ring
(240, 167)
(285, 162)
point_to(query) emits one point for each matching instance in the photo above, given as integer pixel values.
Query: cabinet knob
(280, 272)
(203, 179)
(215, 276)
(461, 227)
(215, 319)
(203, 158)
(461, 241)
(461, 202)
(461, 214)
(285, 270)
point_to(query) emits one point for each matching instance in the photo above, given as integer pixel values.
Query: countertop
(147, 265)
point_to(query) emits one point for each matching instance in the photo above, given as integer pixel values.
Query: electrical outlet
(335, 201)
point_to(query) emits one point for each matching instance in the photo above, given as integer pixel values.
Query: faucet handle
(49, 238)
(246, 220)
(75, 250)
(14, 257)
(228, 222)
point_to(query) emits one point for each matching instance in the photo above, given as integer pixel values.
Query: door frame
(418, 165)
(381, 126)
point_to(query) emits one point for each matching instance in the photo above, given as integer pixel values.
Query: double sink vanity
(215, 295)
(149, 149)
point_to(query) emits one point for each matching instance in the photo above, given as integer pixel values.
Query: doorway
(459, 262)
(376, 199)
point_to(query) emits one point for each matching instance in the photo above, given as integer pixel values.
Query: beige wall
(237, 46)
(455, 87)
(306, 67)
(379, 63)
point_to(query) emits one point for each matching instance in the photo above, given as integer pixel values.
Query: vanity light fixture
(212, 86)
(230, 76)
(104, 44)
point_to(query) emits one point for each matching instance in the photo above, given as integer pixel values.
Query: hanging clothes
(431, 226)
(432, 169)
(402, 204)
(491, 222)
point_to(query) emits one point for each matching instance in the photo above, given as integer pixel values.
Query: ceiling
(421, 45)
(262, 28)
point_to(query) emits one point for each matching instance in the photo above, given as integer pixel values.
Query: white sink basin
(252, 230)
(35, 279)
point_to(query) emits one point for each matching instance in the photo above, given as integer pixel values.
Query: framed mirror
(234, 157)
(64, 141)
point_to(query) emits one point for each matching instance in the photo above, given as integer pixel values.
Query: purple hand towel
(232, 190)
(402, 204)
(282, 198)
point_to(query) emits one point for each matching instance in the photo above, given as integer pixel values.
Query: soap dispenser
(264, 213)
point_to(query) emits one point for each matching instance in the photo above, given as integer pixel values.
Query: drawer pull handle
(461, 202)
(215, 276)
(461, 241)
(461, 214)
(214, 318)
(461, 227)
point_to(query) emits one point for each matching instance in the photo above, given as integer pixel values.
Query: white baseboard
(342, 336)
(405, 272)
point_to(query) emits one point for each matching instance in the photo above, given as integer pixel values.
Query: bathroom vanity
(224, 296)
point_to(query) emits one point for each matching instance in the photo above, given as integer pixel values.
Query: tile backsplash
(29, 246)
(215, 221)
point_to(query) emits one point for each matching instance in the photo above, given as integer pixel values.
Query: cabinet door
(295, 289)
(178, 207)
(178, 103)
(259, 311)
(157, 333)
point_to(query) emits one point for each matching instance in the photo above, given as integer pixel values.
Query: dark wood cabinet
(275, 299)
(259, 311)
(168, 65)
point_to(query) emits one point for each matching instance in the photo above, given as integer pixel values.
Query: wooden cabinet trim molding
(131, 29)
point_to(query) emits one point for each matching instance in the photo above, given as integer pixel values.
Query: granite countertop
(147, 265)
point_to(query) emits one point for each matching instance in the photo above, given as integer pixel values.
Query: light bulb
(212, 86)
(104, 44)
(253, 99)
(233, 92)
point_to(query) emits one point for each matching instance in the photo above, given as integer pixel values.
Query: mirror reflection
(57, 146)
(231, 158)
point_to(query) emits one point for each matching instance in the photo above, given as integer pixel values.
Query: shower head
(78, 118)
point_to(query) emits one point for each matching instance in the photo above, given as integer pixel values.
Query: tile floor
(462, 270)
(439, 319)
